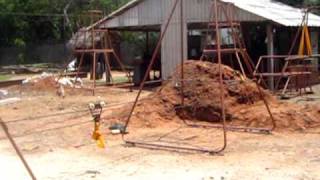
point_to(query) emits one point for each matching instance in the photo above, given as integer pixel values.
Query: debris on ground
(47, 82)
(70, 82)
(65, 81)
(244, 105)
(117, 129)
(9, 101)
(37, 78)
(3, 93)
(72, 66)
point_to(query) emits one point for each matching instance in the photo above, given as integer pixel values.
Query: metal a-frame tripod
(104, 47)
(225, 20)
(96, 41)
(223, 122)
(296, 71)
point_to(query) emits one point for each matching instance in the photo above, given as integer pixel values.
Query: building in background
(268, 27)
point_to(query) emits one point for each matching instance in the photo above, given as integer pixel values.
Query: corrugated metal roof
(267, 9)
(275, 11)
(122, 9)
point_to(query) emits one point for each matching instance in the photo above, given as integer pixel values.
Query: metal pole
(94, 71)
(220, 75)
(16, 148)
(271, 65)
(182, 50)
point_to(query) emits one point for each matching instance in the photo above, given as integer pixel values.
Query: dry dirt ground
(60, 147)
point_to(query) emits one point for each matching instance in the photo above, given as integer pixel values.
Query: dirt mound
(244, 105)
(44, 84)
(49, 84)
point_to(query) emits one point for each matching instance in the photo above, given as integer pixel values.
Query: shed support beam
(270, 46)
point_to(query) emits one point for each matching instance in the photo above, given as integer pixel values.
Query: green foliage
(304, 3)
(292, 2)
(21, 58)
(19, 43)
(36, 21)
(42, 21)
(301, 3)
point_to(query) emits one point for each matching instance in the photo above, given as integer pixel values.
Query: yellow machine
(96, 110)
(305, 47)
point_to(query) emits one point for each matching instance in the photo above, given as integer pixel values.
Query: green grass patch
(120, 80)
(4, 77)
(116, 80)
(41, 65)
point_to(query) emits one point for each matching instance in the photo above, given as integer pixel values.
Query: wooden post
(94, 71)
(108, 68)
(79, 66)
(107, 59)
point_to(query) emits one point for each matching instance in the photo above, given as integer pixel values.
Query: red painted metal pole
(222, 99)
(16, 148)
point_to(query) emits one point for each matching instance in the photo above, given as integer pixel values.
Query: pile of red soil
(243, 102)
(47, 84)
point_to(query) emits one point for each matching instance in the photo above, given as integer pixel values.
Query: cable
(110, 107)
(44, 116)
(49, 129)
(68, 126)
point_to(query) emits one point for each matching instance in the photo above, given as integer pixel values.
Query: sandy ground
(294, 156)
(310, 99)
(60, 147)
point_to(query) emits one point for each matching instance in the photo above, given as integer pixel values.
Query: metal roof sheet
(275, 11)
(117, 12)
(124, 7)
(267, 9)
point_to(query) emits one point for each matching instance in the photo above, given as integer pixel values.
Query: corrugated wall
(150, 12)
(147, 12)
(171, 45)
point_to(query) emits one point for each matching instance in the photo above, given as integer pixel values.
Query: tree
(34, 21)
(301, 3)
